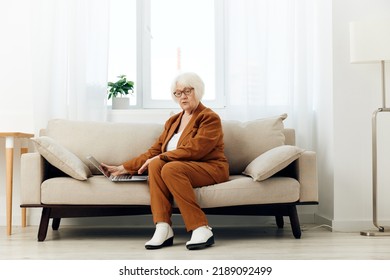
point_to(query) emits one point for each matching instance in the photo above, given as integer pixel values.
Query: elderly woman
(188, 154)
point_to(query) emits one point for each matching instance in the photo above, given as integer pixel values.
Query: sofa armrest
(307, 176)
(32, 176)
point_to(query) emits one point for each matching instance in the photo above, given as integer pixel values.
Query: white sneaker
(162, 237)
(202, 237)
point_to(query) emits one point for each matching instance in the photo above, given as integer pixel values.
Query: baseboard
(349, 225)
(357, 226)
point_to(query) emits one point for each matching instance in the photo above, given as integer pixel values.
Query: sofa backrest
(244, 141)
(114, 143)
(111, 143)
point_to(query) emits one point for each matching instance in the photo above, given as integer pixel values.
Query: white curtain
(272, 60)
(69, 59)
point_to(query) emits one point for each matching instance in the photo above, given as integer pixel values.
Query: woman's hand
(113, 170)
(145, 165)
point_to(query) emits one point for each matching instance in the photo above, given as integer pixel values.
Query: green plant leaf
(122, 87)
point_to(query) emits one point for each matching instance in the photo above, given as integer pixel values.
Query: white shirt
(172, 144)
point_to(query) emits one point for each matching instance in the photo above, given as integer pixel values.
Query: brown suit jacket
(201, 142)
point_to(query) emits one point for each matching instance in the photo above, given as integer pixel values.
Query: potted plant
(118, 92)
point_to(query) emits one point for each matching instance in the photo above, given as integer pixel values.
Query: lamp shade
(369, 41)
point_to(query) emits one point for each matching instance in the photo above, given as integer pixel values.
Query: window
(151, 41)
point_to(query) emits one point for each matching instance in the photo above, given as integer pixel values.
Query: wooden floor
(249, 243)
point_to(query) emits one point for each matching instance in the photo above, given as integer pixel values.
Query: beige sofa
(270, 176)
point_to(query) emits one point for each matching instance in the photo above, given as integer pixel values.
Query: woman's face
(186, 98)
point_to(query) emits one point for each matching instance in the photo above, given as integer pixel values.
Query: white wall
(356, 94)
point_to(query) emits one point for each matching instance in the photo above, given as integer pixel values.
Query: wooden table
(9, 156)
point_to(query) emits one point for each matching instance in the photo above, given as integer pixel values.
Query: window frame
(143, 94)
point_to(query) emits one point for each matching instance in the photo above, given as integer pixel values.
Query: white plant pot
(120, 103)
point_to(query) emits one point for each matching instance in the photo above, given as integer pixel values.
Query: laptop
(119, 178)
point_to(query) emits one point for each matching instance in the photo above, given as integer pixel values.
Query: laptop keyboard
(121, 177)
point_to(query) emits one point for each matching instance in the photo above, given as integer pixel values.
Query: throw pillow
(60, 157)
(272, 161)
(244, 141)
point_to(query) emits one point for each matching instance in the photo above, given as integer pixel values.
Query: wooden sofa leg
(279, 221)
(56, 223)
(294, 220)
(44, 224)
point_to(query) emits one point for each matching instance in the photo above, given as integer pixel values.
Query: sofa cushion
(97, 190)
(242, 190)
(60, 157)
(272, 161)
(244, 141)
(239, 190)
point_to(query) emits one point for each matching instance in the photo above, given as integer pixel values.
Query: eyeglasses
(185, 91)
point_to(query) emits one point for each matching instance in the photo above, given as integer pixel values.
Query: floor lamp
(370, 43)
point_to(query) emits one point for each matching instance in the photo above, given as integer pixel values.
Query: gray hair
(189, 79)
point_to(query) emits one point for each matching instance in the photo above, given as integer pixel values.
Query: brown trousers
(175, 180)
